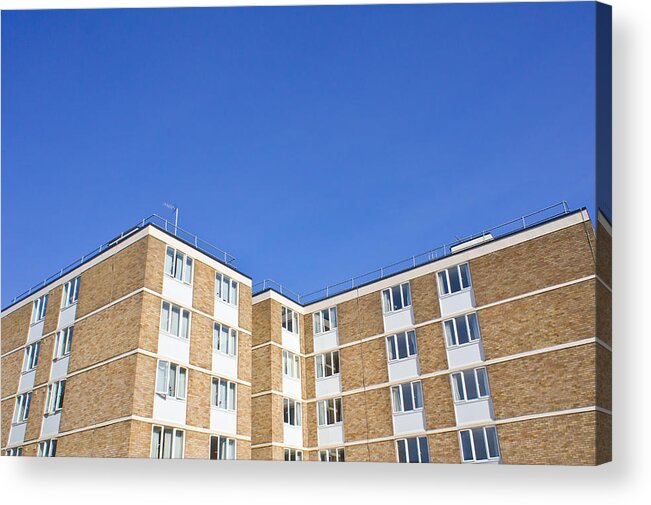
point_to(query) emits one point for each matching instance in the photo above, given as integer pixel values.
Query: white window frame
(320, 317)
(172, 257)
(291, 365)
(293, 454)
(324, 407)
(30, 360)
(21, 408)
(14, 451)
(166, 326)
(226, 448)
(171, 380)
(471, 434)
(289, 318)
(398, 396)
(388, 298)
(70, 293)
(443, 279)
(63, 343)
(47, 448)
(404, 442)
(292, 412)
(175, 452)
(393, 345)
(217, 400)
(226, 289)
(451, 330)
(55, 396)
(224, 339)
(460, 384)
(334, 454)
(39, 308)
(321, 365)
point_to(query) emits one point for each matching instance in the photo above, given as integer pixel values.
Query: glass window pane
(321, 413)
(182, 383)
(233, 292)
(178, 444)
(458, 387)
(397, 298)
(214, 447)
(230, 449)
(412, 448)
(218, 285)
(424, 449)
(335, 362)
(167, 443)
(466, 446)
(333, 317)
(411, 336)
(161, 377)
(386, 300)
(450, 334)
(402, 451)
(317, 322)
(338, 410)
(155, 442)
(402, 345)
(406, 295)
(188, 270)
(169, 261)
(319, 366)
(391, 345)
(174, 326)
(178, 265)
(232, 346)
(474, 326)
(222, 394)
(165, 317)
(215, 393)
(395, 398)
(326, 319)
(418, 395)
(471, 385)
(171, 382)
(443, 283)
(455, 283)
(493, 448)
(407, 400)
(479, 442)
(231, 395)
(462, 330)
(341, 454)
(482, 379)
(465, 275)
(185, 327)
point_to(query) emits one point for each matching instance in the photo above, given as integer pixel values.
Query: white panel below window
(35, 331)
(169, 409)
(177, 291)
(223, 420)
(67, 316)
(465, 355)
(292, 435)
(399, 319)
(463, 301)
(291, 341)
(408, 422)
(331, 435)
(226, 313)
(59, 368)
(291, 387)
(404, 368)
(51, 424)
(175, 348)
(475, 411)
(17, 434)
(26, 381)
(224, 365)
(328, 386)
(326, 341)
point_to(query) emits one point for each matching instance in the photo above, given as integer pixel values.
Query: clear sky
(311, 143)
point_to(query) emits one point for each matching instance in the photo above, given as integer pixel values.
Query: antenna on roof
(175, 209)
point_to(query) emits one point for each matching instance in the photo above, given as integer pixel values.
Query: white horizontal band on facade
(432, 267)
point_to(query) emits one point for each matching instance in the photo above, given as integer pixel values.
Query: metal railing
(518, 224)
(154, 219)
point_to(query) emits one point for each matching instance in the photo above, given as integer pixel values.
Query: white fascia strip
(604, 222)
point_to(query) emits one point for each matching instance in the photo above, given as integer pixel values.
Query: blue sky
(311, 143)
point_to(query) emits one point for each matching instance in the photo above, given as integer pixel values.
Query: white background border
(26, 480)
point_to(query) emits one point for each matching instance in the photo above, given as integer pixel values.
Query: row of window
(46, 449)
(53, 402)
(62, 344)
(68, 298)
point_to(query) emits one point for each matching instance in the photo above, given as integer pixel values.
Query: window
(396, 298)
(21, 411)
(413, 450)
(47, 449)
(454, 279)
(291, 412)
(171, 380)
(38, 309)
(470, 384)
(224, 339)
(167, 442)
(290, 320)
(329, 412)
(461, 330)
(327, 364)
(325, 320)
(407, 397)
(291, 366)
(222, 447)
(293, 455)
(16, 451)
(55, 393)
(31, 356)
(223, 394)
(178, 265)
(63, 342)
(337, 454)
(174, 320)
(402, 345)
(226, 289)
(70, 293)
(479, 444)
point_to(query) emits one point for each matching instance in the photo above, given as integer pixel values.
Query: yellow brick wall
(203, 295)
(15, 327)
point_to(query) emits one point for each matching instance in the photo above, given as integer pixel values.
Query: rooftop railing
(154, 219)
(518, 224)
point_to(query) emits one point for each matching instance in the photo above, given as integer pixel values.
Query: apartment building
(497, 351)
